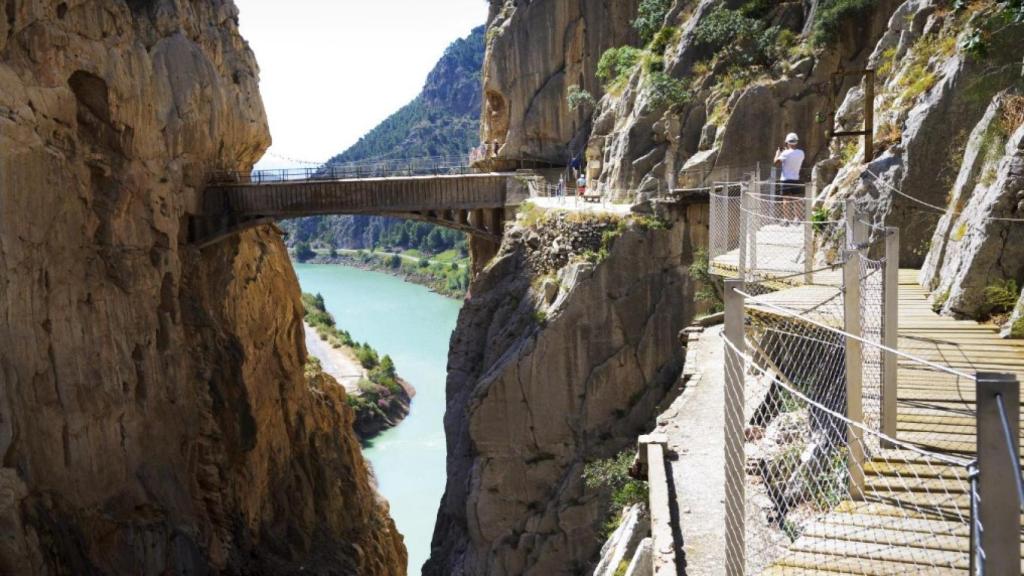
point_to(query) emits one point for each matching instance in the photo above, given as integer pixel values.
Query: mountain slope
(443, 120)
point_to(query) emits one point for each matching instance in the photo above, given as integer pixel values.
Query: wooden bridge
(472, 203)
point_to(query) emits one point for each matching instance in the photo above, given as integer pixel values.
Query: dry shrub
(1013, 113)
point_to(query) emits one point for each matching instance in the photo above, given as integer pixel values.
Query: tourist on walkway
(581, 186)
(790, 160)
(561, 187)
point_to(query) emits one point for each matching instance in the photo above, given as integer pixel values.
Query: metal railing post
(735, 459)
(854, 364)
(753, 224)
(998, 395)
(809, 234)
(742, 262)
(890, 331)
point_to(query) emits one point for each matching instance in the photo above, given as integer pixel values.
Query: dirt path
(694, 427)
(336, 362)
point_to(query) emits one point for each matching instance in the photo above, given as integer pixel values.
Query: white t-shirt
(792, 161)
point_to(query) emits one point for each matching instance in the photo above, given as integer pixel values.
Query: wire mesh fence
(826, 491)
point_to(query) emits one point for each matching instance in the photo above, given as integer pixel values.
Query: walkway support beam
(854, 360)
(735, 459)
(809, 195)
(890, 331)
(999, 394)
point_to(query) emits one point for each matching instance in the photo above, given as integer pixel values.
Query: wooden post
(1000, 499)
(869, 115)
(890, 331)
(735, 459)
(854, 363)
(809, 195)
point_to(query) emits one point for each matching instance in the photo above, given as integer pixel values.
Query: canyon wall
(560, 356)
(154, 415)
(535, 52)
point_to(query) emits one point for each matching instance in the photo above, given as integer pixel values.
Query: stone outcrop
(980, 241)
(535, 52)
(563, 350)
(154, 415)
(932, 94)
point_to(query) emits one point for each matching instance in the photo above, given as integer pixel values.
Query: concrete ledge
(652, 457)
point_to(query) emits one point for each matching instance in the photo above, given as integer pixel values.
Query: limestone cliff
(711, 94)
(557, 361)
(535, 52)
(154, 416)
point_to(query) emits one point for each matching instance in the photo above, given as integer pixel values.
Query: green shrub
(738, 40)
(617, 63)
(395, 262)
(665, 37)
(367, 356)
(579, 98)
(650, 16)
(613, 474)
(1001, 296)
(700, 271)
(667, 92)
(831, 16)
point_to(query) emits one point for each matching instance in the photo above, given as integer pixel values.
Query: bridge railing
(428, 166)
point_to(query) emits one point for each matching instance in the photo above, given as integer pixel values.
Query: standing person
(561, 186)
(790, 160)
(581, 186)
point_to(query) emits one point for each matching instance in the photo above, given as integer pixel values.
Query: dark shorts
(791, 188)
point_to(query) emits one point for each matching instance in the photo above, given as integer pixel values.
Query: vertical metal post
(890, 331)
(809, 194)
(742, 262)
(854, 364)
(735, 481)
(1000, 499)
(753, 224)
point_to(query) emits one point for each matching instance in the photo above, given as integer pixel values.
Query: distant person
(561, 187)
(789, 160)
(581, 186)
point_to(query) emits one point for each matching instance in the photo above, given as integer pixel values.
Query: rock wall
(556, 361)
(154, 416)
(536, 50)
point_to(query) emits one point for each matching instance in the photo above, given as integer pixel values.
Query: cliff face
(154, 417)
(535, 52)
(556, 362)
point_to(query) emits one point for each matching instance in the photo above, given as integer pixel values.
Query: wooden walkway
(920, 521)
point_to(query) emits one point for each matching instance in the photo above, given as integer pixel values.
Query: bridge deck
(935, 411)
(290, 198)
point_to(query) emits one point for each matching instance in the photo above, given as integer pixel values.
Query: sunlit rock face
(535, 52)
(556, 362)
(154, 414)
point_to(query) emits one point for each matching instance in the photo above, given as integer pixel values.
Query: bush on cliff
(649, 17)
(612, 474)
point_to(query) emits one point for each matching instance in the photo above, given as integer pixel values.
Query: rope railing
(819, 478)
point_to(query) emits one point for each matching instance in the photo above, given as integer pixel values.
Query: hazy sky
(332, 70)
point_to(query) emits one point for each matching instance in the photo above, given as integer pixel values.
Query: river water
(413, 325)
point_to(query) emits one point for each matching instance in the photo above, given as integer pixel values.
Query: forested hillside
(443, 120)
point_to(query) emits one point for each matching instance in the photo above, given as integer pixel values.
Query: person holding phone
(790, 159)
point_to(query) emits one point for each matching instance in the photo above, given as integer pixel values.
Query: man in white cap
(789, 160)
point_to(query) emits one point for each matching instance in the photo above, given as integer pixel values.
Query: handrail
(1014, 456)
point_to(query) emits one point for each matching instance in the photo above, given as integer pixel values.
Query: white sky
(332, 70)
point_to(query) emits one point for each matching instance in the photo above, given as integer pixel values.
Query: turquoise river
(413, 325)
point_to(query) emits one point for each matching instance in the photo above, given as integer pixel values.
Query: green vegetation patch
(650, 17)
(616, 64)
(612, 474)
(700, 272)
(381, 369)
(833, 14)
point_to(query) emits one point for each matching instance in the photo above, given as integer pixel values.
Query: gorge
(156, 416)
